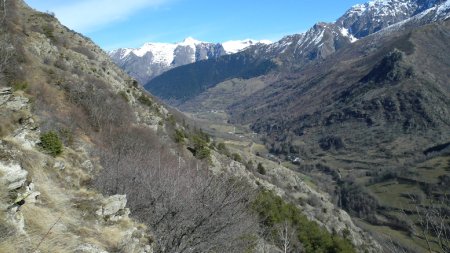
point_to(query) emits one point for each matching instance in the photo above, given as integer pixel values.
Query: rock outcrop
(290, 185)
(114, 208)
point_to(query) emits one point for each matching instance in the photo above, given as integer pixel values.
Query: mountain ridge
(294, 51)
(154, 58)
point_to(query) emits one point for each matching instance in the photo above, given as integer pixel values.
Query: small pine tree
(179, 136)
(201, 148)
(51, 143)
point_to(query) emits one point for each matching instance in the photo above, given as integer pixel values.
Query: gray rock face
(320, 41)
(89, 248)
(135, 241)
(323, 39)
(17, 103)
(15, 218)
(157, 58)
(114, 208)
(5, 94)
(12, 175)
(364, 19)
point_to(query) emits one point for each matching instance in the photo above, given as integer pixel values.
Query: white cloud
(89, 15)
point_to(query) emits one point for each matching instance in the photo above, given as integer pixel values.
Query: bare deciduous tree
(6, 52)
(428, 220)
(434, 226)
(285, 235)
(188, 209)
(4, 11)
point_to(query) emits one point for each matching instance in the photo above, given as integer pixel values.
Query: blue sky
(130, 23)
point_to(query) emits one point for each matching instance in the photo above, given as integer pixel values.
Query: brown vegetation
(185, 205)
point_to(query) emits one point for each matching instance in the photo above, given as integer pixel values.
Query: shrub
(51, 143)
(48, 31)
(201, 150)
(221, 148)
(171, 119)
(249, 165)
(357, 200)
(124, 95)
(236, 157)
(179, 136)
(143, 99)
(261, 170)
(200, 142)
(86, 52)
(19, 86)
(330, 142)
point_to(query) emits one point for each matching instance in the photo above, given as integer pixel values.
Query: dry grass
(10, 120)
(15, 245)
(64, 216)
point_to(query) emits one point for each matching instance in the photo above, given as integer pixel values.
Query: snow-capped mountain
(293, 52)
(359, 21)
(153, 59)
(364, 19)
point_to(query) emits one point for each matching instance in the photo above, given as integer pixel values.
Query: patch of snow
(346, 33)
(439, 12)
(319, 38)
(443, 10)
(382, 7)
(189, 41)
(234, 46)
(122, 52)
(162, 52)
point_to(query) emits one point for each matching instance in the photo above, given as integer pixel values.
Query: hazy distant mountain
(153, 59)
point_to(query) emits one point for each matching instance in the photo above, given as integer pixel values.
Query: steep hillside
(74, 127)
(190, 80)
(368, 114)
(47, 203)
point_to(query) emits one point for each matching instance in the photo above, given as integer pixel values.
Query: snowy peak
(153, 59)
(319, 41)
(190, 41)
(443, 11)
(323, 39)
(364, 19)
(163, 52)
(234, 46)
